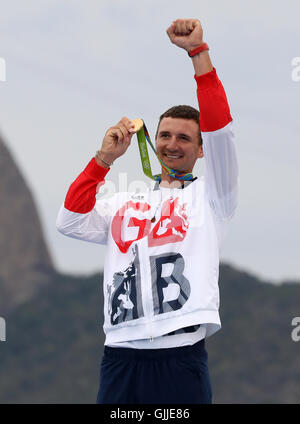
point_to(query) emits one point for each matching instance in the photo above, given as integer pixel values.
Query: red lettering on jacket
(117, 223)
(172, 226)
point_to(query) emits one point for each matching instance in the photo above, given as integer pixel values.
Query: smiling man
(160, 285)
(178, 141)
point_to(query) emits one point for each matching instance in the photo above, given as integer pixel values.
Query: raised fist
(186, 33)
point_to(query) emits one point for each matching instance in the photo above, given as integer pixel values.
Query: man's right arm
(81, 216)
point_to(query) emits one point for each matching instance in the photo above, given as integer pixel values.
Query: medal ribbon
(143, 137)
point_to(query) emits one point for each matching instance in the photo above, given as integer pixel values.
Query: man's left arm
(221, 167)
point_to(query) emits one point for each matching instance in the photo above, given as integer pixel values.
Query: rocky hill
(25, 262)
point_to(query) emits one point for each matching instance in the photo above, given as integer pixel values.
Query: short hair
(183, 112)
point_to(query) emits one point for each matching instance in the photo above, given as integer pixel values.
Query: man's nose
(172, 143)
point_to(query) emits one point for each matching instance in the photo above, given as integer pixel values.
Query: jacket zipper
(148, 287)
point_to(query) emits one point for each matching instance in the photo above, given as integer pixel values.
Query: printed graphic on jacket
(171, 227)
(124, 293)
(190, 329)
(170, 288)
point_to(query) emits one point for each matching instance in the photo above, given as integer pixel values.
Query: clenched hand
(186, 33)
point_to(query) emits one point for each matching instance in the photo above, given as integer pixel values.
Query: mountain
(25, 262)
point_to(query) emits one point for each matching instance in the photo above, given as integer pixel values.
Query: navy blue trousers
(176, 375)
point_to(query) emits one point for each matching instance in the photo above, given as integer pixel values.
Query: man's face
(177, 143)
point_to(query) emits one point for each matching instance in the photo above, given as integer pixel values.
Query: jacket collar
(183, 184)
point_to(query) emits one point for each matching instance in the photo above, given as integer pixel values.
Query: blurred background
(69, 71)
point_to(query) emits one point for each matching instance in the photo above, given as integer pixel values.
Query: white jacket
(161, 277)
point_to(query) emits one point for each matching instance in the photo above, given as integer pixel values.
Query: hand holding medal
(116, 141)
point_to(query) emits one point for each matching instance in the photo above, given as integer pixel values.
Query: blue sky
(73, 69)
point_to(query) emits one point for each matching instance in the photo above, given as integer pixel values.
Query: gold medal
(138, 124)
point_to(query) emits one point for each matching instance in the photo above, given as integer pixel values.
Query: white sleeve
(221, 171)
(92, 226)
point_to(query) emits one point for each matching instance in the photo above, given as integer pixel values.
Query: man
(161, 295)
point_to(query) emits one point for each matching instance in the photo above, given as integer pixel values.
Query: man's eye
(164, 135)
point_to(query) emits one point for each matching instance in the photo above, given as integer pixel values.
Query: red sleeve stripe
(81, 196)
(213, 105)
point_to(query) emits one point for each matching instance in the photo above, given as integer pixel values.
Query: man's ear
(200, 153)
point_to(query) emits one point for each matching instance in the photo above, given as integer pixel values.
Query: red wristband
(199, 49)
